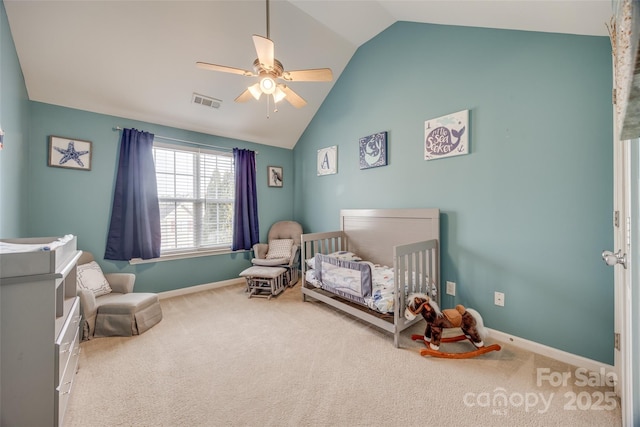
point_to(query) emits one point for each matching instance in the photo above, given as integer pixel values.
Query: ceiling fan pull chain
(268, 107)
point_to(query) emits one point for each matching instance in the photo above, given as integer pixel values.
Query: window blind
(196, 196)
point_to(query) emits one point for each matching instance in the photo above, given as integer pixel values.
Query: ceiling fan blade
(244, 96)
(293, 98)
(224, 69)
(313, 75)
(264, 49)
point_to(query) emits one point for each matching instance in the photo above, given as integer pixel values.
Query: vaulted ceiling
(136, 59)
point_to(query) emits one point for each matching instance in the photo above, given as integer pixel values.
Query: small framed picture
(328, 160)
(447, 136)
(373, 150)
(274, 176)
(69, 153)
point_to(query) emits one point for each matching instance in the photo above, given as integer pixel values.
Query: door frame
(625, 194)
(630, 280)
(623, 189)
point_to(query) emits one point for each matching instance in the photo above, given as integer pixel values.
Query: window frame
(198, 201)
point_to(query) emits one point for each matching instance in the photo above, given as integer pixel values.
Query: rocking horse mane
(414, 295)
(435, 307)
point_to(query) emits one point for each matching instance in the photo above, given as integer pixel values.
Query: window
(196, 196)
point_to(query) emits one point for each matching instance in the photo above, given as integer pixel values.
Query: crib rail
(322, 243)
(416, 268)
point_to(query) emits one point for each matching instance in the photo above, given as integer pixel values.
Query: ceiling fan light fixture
(255, 91)
(268, 70)
(267, 85)
(278, 95)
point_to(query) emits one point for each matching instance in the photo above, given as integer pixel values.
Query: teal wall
(14, 120)
(528, 211)
(66, 201)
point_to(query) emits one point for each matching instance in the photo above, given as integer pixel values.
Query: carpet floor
(220, 359)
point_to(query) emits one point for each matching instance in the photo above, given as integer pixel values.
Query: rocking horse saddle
(454, 315)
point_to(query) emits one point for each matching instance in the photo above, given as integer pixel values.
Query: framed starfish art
(69, 153)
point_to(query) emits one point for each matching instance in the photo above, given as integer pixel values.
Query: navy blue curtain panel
(134, 231)
(245, 216)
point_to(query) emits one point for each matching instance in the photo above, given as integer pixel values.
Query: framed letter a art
(328, 160)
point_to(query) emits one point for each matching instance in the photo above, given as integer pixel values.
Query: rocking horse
(467, 319)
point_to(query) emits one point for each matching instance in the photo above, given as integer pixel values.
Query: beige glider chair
(108, 304)
(282, 249)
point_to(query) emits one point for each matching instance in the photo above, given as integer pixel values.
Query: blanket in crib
(345, 274)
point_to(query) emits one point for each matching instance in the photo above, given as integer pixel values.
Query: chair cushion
(285, 230)
(280, 248)
(263, 272)
(270, 262)
(90, 277)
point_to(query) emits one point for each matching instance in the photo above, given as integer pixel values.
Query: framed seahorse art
(373, 150)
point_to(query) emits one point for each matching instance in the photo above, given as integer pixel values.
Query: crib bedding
(347, 275)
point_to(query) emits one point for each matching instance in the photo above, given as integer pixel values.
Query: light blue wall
(528, 211)
(66, 201)
(14, 120)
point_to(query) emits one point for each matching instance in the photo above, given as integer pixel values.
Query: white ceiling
(136, 59)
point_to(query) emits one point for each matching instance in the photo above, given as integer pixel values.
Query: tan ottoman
(127, 314)
(264, 281)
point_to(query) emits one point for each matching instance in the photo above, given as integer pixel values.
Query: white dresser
(39, 331)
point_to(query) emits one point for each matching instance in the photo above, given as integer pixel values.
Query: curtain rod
(118, 128)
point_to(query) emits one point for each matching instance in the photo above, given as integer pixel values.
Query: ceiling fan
(268, 69)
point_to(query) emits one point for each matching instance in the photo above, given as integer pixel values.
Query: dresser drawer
(68, 335)
(67, 355)
(63, 391)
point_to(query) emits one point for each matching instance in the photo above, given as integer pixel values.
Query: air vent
(206, 101)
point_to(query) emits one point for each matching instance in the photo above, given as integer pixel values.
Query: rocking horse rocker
(467, 319)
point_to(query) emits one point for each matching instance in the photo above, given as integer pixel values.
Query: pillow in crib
(280, 248)
(90, 277)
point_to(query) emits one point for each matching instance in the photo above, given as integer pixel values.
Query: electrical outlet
(498, 299)
(451, 288)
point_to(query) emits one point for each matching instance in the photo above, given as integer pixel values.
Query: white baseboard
(200, 288)
(554, 353)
